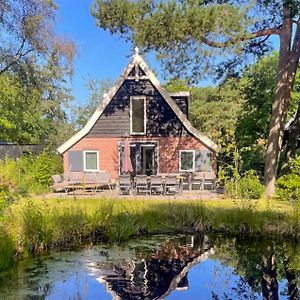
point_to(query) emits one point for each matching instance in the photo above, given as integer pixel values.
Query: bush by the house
(245, 187)
(288, 185)
(31, 173)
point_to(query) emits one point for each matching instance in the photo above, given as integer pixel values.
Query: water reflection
(183, 267)
(156, 274)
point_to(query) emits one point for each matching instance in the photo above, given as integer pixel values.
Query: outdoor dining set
(164, 184)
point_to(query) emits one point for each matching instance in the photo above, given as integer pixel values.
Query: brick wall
(108, 151)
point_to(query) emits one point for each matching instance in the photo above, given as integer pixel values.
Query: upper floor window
(138, 115)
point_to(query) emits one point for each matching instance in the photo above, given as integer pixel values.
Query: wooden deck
(186, 195)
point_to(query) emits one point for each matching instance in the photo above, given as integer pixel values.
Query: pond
(162, 267)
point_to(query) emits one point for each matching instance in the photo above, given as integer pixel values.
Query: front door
(144, 156)
(148, 160)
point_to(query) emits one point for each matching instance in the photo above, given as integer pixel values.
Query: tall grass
(36, 226)
(7, 249)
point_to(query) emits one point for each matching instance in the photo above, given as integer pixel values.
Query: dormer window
(138, 115)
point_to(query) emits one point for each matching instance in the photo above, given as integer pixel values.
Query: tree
(35, 70)
(27, 34)
(20, 111)
(187, 34)
(81, 114)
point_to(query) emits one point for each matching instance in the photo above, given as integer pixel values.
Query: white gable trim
(137, 59)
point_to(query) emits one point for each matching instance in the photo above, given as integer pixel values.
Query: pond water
(162, 267)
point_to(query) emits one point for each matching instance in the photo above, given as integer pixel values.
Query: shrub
(246, 187)
(288, 185)
(8, 192)
(31, 173)
(250, 186)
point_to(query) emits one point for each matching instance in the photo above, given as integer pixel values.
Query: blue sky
(100, 54)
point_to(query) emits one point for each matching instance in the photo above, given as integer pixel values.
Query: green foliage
(258, 87)
(20, 111)
(188, 35)
(36, 230)
(174, 29)
(250, 186)
(81, 114)
(69, 226)
(8, 193)
(37, 226)
(215, 110)
(35, 68)
(31, 173)
(246, 187)
(288, 185)
(7, 249)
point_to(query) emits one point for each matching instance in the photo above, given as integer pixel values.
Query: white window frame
(84, 161)
(190, 151)
(145, 115)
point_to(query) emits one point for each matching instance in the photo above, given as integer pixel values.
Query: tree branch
(255, 44)
(16, 60)
(264, 32)
(21, 47)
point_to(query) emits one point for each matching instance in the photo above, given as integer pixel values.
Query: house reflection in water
(156, 276)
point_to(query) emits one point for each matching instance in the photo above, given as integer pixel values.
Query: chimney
(183, 100)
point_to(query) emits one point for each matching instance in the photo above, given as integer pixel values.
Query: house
(15, 151)
(138, 108)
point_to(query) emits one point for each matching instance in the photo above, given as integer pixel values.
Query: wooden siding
(115, 120)
(182, 103)
(140, 73)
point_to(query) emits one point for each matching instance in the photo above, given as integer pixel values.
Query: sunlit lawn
(90, 204)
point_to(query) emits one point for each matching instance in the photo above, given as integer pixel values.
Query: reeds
(35, 226)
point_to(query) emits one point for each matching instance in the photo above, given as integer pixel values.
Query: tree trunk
(269, 281)
(279, 109)
(293, 136)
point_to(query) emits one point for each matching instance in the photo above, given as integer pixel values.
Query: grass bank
(36, 226)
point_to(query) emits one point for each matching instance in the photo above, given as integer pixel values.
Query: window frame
(189, 151)
(84, 160)
(145, 114)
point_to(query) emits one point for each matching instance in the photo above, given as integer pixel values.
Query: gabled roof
(137, 61)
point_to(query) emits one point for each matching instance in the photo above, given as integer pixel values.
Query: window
(91, 159)
(138, 115)
(187, 160)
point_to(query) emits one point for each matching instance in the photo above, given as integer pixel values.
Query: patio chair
(197, 180)
(124, 184)
(186, 181)
(156, 185)
(141, 184)
(171, 185)
(210, 180)
(103, 179)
